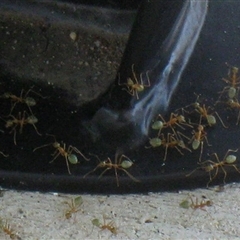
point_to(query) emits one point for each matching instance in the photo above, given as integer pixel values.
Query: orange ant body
(109, 226)
(8, 230)
(201, 205)
(204, 113)
(195, 205)
(210, 165)
(21, 121)
(235, 105)
(61, 150)
(173, 142)
(198, 139)
(233, 82)
(175, 119)
(29, 101)
(133, 85)
(74, 206)
(3, 154)
(118, 165)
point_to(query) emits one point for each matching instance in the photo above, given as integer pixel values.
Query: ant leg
(77, 151)
(68, 165)
(225, 174)
(14, 136)
(116, 174)
(189, 174)
(45, 145)
(36, 129)
(104, 172)
(55, 153)
(98, 166)
(221, 120)
(134, 75)
(149, 84)
(236, 168)
(165, 154)
(130, 175)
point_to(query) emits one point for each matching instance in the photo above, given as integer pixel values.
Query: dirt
(37, 48)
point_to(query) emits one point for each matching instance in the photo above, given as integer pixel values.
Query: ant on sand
(195, 205)
(74, 206)
(111, 226)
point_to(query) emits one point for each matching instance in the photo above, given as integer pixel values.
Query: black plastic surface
(218, 43)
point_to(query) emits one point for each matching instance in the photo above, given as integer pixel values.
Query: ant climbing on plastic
(172, 141)
(21, 121)
(119, 164)
(63, 151)
(210, 166)
(203, 111)
(235, 105)
(198, 137)
(29, 101)
(174, 120)
(133, 85)
(233, 81)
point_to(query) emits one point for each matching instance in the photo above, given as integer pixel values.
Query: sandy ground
(34, 215)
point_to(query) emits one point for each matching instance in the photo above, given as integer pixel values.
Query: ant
(118, 165)
(210, 165)
(173, 142)
(235, 104)
(175, 119)
(232, 80)
(8, 230)
(61, 150)
(29, 101)
(198, 139)
(195, 205)
(21, 121)
(74, 206)
(109, 226)
(133, 85)
(204, 113)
